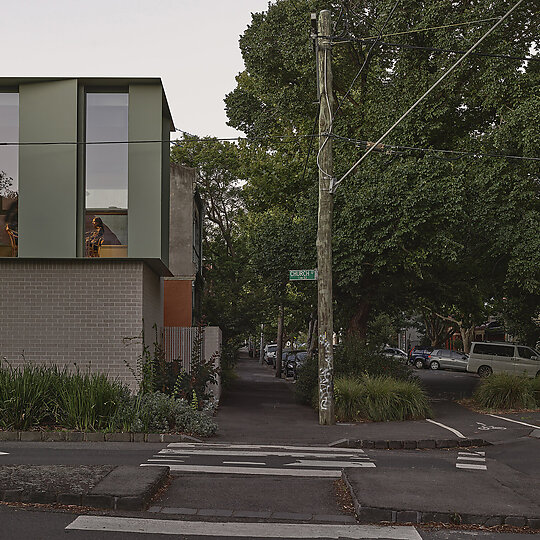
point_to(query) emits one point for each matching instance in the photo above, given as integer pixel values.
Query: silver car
(447, 359)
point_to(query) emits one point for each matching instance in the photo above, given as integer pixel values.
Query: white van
(487, 358)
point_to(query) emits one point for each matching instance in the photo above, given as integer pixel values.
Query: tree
(408, 224)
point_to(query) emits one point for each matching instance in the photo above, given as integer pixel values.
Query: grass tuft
(380, 399)
(506, 391)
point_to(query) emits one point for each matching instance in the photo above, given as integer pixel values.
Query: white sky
(191, 44)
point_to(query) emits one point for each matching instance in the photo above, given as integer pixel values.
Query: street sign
(302, 275)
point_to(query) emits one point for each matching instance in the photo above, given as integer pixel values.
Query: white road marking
(269, 471)
(244, 463)
(4, 453)
(472, 456)
(241, 530)
(515, 421)
(471, 466)
(262, 446)
(454, 431)
(217, 452)
(168, 460)
(314, 463)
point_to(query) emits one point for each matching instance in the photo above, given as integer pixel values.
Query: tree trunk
(359, 321)
(467, 336)
(279, 342)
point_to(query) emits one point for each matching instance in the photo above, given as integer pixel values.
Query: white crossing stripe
(473, 457)
(471, 466)
(242, 530)
(270, 471)
(312, 463)
(261, 446)
(246, 459)
(4, 453)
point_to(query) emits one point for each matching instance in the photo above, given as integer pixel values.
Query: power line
(454, 51)
(333, 116)
(384, 147)
(426, 93)
(465, 23)
(278, 138)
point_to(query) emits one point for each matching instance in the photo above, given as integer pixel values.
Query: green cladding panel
(145, 171)
(48, 172)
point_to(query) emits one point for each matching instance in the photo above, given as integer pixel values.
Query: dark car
(418, 356)
(293, 362)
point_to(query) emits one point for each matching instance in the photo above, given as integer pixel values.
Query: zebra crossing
(275, 460)
(472, 460)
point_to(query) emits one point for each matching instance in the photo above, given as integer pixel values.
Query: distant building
(96, 236)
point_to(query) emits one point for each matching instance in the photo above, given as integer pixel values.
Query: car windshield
(272, 348)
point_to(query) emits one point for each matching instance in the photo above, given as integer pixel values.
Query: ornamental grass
(507, 391)
(379, 399)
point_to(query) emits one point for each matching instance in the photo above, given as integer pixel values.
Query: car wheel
(434, 365)
(484, 371)
(418, 363)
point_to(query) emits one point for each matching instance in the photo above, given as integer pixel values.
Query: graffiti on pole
(325, 374)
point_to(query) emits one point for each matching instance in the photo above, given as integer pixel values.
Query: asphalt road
(291, 483)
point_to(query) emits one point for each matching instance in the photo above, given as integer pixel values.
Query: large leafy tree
(412, 227)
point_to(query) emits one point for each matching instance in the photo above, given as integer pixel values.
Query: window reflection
(106, 175)
(9, 175)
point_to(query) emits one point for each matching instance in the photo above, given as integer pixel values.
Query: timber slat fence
(178, 343)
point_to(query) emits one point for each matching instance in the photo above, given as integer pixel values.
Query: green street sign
(302, 275)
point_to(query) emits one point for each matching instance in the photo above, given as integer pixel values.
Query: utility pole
(324, 230)
(279, 341)
(261, 345)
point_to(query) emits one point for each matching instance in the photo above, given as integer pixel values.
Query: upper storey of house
(84, 168)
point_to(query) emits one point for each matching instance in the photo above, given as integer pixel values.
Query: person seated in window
(94, 238)
(12, 220)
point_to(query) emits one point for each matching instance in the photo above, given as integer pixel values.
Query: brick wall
(75, 312)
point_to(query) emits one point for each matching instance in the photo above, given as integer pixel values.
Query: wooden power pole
(324, 230)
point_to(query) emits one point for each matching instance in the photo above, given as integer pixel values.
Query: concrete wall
(71, 312)
(181, 221)
(152, 305)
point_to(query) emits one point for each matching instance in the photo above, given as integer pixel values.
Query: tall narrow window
(9, 175)
(106, 175)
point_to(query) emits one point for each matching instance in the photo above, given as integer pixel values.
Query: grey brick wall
(75, 312)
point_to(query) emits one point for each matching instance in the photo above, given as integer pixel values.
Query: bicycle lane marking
(515, 421)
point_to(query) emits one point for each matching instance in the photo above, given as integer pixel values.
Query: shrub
(507, 391)
(157, 412)
(380, 399)
(307, 383)
(352, 359)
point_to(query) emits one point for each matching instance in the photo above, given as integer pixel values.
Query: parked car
(270, 353)
(395, 354)
(487, 358)
(447, 359)
(418, 356)
(293, 362)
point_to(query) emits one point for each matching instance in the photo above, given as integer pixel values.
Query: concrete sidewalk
(261, 409)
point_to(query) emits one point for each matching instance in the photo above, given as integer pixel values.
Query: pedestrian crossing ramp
(304, 461)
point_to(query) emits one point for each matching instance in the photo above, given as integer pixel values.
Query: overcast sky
(191, 44)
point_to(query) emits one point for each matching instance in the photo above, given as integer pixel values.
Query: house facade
(85, 221)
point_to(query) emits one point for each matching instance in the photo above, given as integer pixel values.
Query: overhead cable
(425, 94)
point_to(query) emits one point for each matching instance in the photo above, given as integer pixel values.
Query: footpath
(260, 410)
